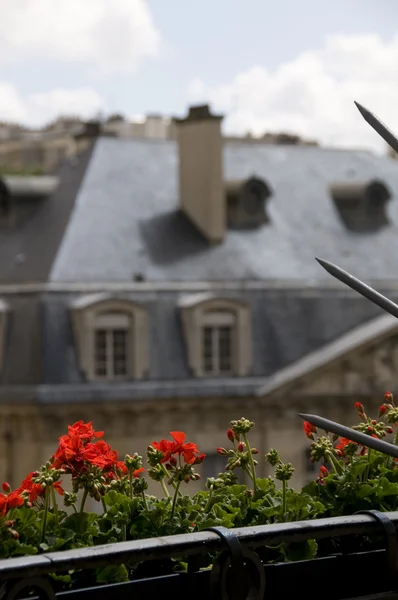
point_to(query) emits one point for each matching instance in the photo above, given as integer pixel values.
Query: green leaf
(82, 523)
(300, 550)
(365, 490)
(358, 468)
(112, 574)
(113, 498)
(386, 488)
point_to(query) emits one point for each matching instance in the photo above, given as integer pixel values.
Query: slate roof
(114, 216)
(27, 252)
(330, 353)
(125, 221)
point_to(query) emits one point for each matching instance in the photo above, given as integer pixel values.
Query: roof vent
(361, 205)
(246, 203)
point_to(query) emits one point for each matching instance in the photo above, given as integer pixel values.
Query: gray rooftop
(125, 222)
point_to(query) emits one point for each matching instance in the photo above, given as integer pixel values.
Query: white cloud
(40, 108)
(108, 34)
(313, 95)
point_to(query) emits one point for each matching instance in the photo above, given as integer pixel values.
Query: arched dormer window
(112, 338)
(217, 334)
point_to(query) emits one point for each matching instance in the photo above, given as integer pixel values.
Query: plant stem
(284, 490)
(251, 460)
(144, 499)
(166, 491)
(85, 494)
(366, 472)
(396, 438)
(103, 504)
(175, 499)
(167, 474)
(55, 507)
(131, 482)
(209, 498)
(46, 503)
(338, 469)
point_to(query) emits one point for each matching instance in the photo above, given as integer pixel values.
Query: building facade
(159, 285)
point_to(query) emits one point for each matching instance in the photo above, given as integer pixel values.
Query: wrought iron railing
(336, 575)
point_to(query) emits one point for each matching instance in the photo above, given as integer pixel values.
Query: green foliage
(356, 479)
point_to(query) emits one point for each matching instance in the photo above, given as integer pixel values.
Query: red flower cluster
(82, 447)
(12, 500)
(36, 490)
(171, 449)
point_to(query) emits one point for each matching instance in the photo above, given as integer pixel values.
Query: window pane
(119, 352)
(100, 352)
(207, 349)
(225, 349)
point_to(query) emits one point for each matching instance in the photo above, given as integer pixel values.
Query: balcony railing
(239, 570)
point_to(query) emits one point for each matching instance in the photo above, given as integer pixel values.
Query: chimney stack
(201, 187)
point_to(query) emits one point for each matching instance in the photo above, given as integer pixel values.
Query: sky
(283, 65)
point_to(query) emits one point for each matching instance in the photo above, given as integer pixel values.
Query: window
(111, 346)
(217, 335)
(112, 338)
(218, 343)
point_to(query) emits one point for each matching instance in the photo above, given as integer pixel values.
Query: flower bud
(9, 523)
(241, 447)
(14, 534)
(382, 410)
(254, 451)
(222, 451)
(388, 397)
(231, 435)
(389, 430)
(374, 422)
(6, 487)
(370, 429)
(359, 407)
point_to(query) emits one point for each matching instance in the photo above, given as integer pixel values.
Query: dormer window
(217, 334)
(112, 338)
(218, 347)
(112, 346)
(361, 205)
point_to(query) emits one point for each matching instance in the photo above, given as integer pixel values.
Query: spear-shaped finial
(360, 287)
(351, 434)
(387, 135)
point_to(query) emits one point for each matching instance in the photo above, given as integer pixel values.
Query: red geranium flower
(13, 500)
(189, 451)
(36, 490)
(84, 431)
(309, 430)
(100, 454)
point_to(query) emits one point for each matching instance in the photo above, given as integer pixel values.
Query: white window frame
(90, 313)
(200, 309)
(216, 320)
(111, 323)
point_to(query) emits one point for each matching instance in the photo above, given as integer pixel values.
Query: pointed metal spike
(360, 287)
(351, 434)
(387, 135)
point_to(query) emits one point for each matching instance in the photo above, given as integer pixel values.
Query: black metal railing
(238, 570)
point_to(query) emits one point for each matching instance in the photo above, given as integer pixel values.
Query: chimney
(201, 187)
